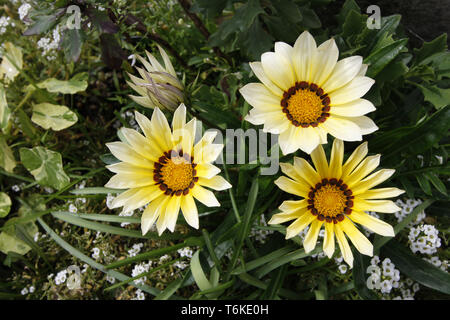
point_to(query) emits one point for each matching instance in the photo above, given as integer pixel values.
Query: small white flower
(375, 260)
(24, 291)
(385, 286)
(343, 268)
(23, 10)
(72, 208)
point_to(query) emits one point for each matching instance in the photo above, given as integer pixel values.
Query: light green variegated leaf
(10, 243)
(7, 161)
(5, 204)
(53, 116)
(46, 166)
(77, 84)
(4, 110)
(12, 62)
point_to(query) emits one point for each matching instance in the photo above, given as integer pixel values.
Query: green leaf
(416, 139)
(379, 59)
(4, 110)
(56, 117)
(431, 48)
(5, 204)
(360, 264)
(43, 23)
(77, 83)
(96, 190)
(437, 183)
(46, 166)
(72, 41)
(12, 61)
(78, 254)
(255, 40)
(10, 243)
(7, 161)
(436, 96)
(424, 184)
(416, 268)
(347, 7)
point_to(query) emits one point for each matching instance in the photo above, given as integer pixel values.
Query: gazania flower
(336, 195)
(307, 93)
(159, 86)
(165, 170)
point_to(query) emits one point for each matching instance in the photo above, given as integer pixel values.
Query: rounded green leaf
(5, 204)
(52, 116)
(46, 166)
(78, 83)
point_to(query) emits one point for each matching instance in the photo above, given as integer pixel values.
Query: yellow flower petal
(298, 225)
(386, 206)
(337, 156)
(278, 69)
(355, 108)
(328, 242)
(358, 239)
(355, 89)
(292, 205)
(259, 72)
(189, 210)
(216, 183)
(304, 54)
(343, 245)
(302, 167)
(123, 152)
(355, 158)
(320, 161)
(381, 193)
(344, 71)
(343, 128)
(311, 238)
(372, 223)
(293, 187)
(172, 209)
(363, 169)
(152, 212)
(126, 180)
(206, 170)
(287, 216)
(373, 180)
(327, 56)
(205, 196)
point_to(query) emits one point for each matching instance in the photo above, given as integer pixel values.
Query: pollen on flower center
(175, 173)
(330, 199)
(306, 104)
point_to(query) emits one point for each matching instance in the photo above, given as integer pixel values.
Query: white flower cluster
(406, 208)
(138, 269)
(185, 252)
(23, 10)
(135, 249)
(438, 263)
(5, 22)
(181, 265)
(386, 278)
(139, 295)
(27, 290)
(48, 45)
(96, 254)
(61, 277)
(424, 239)
(259, 234)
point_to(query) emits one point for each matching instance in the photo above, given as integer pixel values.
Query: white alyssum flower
(72, 208)
(110, 279)
(185, 252)
(424, 239)
(343, 268)
(139, 269)
(139, 295)
(407, 207)
(96, 254)
(61, 277)
(15, 188)
(260, 235)
(24, 291)
(135, 249)
(23, 10)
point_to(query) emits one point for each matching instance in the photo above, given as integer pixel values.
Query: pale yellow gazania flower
(158, 85)
(166, 170)
(336, 195)
(307, 93)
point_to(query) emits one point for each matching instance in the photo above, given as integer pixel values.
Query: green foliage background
(211, 43)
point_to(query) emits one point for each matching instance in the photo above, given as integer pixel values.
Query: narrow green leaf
(78, 254)
(382, 57)
(360, 264)
(416, 268)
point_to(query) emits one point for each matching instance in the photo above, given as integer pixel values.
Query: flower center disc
(330, 199)
(306, 104)
(175, 173)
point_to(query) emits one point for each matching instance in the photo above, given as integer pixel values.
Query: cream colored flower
(165, 170)
(307, 93)
(159, 86)
(338, 195)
